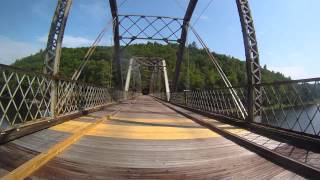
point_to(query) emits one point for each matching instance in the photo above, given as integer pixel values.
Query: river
(302, 119)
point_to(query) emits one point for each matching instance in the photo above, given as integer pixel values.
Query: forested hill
(202, 73)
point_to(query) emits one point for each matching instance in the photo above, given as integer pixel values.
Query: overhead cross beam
(182, 42)
(116, 39)
(252, 60)
(149, 61)
(142, 27)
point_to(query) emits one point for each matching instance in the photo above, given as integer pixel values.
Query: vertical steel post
(252, 61)
(155, 81)
(116, 39)
(151, 91)
(185, 97)
(166, 81)
(182, 42)
(126, 89)
(53, 49)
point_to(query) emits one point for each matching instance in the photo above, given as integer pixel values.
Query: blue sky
(287, 30)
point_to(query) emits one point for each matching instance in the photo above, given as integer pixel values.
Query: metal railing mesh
(217, 101)
(25, 97)
(292, 105)
(160, 95)
(75, 96)
(288, 105)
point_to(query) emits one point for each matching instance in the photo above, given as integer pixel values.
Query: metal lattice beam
(53, 50)
(252, 60)
(142, 27)
(24, 97)
(116, 39)
(149, 61)
(182, 42)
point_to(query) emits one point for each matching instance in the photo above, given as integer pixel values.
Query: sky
(287, 30)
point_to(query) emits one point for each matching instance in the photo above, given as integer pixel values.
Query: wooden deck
(144, 140)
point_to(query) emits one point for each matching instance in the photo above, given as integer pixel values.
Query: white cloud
(11, 50)
(76, 41)
(71, 41)
(295, 72)
(294, 64)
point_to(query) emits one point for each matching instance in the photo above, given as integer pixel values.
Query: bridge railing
(216, 101)
(76, 96)
(160, 95)
(287, 105)
(25, 97)
(292, 105)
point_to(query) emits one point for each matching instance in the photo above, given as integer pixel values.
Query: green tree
(200, 74)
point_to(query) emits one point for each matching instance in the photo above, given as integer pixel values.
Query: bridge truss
(156, 28)
(156, 65)
(128, 28)
(47, 96)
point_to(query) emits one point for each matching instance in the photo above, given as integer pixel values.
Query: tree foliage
(197, 70)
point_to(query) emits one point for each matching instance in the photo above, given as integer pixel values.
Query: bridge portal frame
(54, 44)
(181, 40)
(156, 64)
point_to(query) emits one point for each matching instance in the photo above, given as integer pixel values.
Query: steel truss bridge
(58, 128)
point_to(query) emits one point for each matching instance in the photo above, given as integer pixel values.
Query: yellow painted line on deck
(70, 126)
(151, 132)
(142, 131)
(182, 122)
(148, 132)
(151, 119)
(38, 161)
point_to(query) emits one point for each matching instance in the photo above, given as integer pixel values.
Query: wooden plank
(97, 156)
(285, 161)
(34, 126)
(37, 162)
